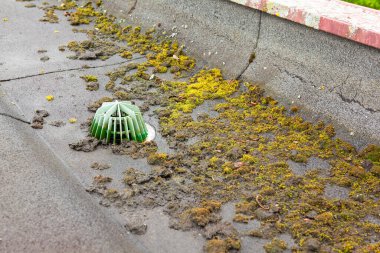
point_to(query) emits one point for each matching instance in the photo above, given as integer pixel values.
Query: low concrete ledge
(343, 19)
(329, 77)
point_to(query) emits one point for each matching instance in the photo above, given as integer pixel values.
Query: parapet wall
(331, 77)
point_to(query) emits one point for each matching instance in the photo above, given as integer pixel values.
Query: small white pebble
(209, 53)
(265, 68)
(224, 63)
(299, 96)
(216, 52)
(352, 133)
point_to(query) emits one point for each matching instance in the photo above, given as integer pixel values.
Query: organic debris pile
(242, 155)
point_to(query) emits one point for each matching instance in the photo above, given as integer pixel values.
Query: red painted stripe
(335, 27)
(335, 17)
(367, 37)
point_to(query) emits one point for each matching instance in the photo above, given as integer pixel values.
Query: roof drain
(120, 121)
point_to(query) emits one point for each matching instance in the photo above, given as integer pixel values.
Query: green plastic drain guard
(117, 121)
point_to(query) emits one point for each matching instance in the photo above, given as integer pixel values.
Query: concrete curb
(343, 19)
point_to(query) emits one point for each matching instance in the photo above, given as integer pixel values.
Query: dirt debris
(30, 5)
(38, 119)
(136, 225)
(49, 16)
(101, 180)
(57, 123)
(86, 145)
(134, 149)
(92, 86)
(44, 58)
(100, 166)
(97, 104)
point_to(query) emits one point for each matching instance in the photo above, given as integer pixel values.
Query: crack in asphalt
(14, 117)
(132, 8)
(67, 70)
(252, 56)
(354, 99)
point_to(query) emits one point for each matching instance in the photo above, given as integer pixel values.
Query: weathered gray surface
(42, 207)
(329, 76)
(43, 203)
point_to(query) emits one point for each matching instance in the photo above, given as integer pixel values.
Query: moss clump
(111, 194)
(275, 246)
(92, 86)
(212, 205)
(123, 95)
(294, 109)
(357, 171)
(95, 105)
(204, 214)
(372, 153)
(330, 130)
(216, 246)
(376, 170)
(160, 69)
(241, 218)
(83, 15)
(126, 54)
(30, 5)
(157, 158)
(49, 16)
(110, 86)
(89, 78)
(200, 216)
(99, 179)
(325, 218)
(246, 208)
(66, 5)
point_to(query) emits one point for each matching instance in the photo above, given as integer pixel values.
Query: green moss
(157, 158)
(126, 54)
(49, 16)
(275, 246)
(66, 5)
(372, 153)
(83, 15)
(242, 152)
(216, 246)
(89, 78)
(121, 95)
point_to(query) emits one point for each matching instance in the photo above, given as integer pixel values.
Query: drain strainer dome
(117, 121)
